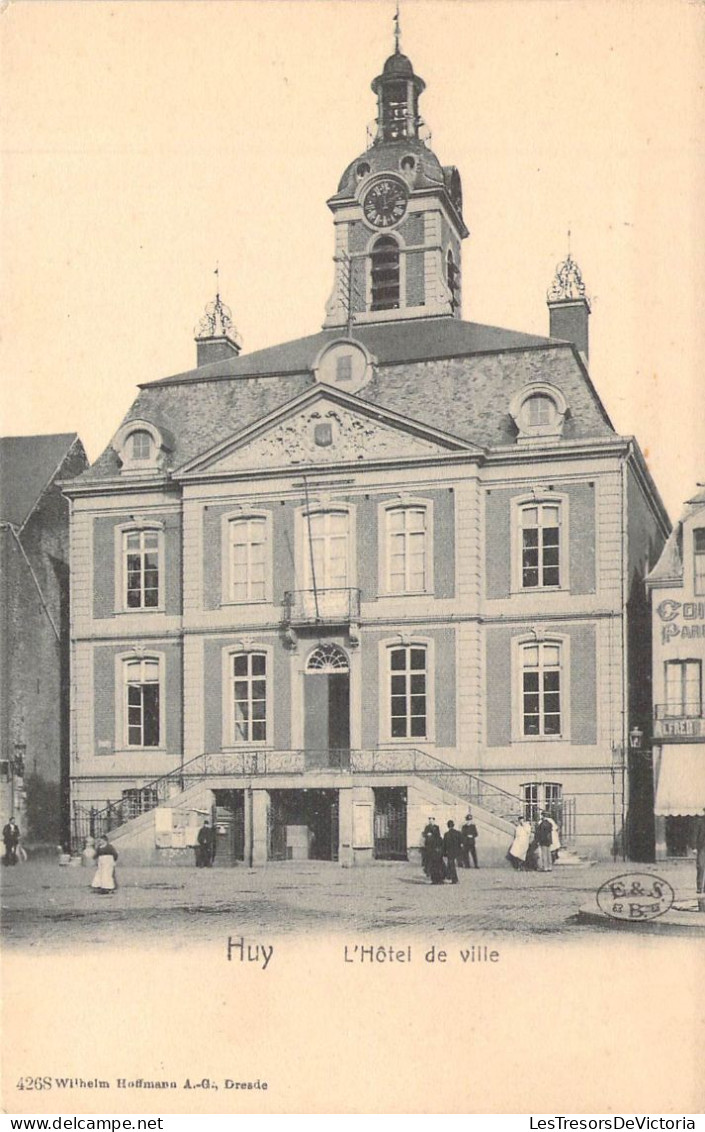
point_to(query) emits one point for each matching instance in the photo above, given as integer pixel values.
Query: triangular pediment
(324, 426)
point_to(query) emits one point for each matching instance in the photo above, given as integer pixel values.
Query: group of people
(443, 854)
(535, 846)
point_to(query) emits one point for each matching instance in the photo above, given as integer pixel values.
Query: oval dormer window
(141, 445)
(540, 410)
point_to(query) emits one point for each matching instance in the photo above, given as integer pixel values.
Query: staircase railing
(251, 763)
(476, 791)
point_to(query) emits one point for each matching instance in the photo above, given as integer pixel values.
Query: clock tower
(398, 217)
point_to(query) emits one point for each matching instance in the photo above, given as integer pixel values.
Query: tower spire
(397, 31)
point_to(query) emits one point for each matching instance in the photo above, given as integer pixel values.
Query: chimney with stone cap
(569, 309)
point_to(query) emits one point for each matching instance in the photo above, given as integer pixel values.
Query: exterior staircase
(244, 768)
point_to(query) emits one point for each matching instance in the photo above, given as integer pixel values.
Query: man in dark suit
(431, 842)
(468, 834)
(206, 846)
(452, 848)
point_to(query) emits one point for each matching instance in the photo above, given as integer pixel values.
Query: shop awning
(680, 790)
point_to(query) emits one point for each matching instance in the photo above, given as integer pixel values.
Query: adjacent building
(394, 567)
(677, 585)
(34, 614)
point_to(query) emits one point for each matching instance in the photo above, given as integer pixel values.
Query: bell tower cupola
(398, 215)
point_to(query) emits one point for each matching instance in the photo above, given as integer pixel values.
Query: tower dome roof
(398, 65)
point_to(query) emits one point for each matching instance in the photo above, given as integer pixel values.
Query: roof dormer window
(141, 442)
(538, 411)
(141, 447)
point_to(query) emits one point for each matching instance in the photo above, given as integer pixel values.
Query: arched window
(141, 442)
(540, 410)
(385, 274)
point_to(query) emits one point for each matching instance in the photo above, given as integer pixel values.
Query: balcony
(322, 607)
(679, 721)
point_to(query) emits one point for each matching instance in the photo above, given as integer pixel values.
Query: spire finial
(217, 279)
(397, 31)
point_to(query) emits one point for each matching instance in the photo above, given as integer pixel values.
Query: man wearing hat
(468, 834)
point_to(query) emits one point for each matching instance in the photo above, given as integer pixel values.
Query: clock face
(385, 203)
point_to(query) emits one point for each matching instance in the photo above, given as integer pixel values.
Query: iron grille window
(407, 549)
(684, 688)
(541, 689)
(385, 274)
(408, 680)
(540, 796)
(248, 543)
(250, 697)
(699, 560)
(540, 545)
(138, 801)
(142, 693)
(141, 569)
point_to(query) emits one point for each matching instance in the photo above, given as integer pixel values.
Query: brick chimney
(568, 306)
(216, 337)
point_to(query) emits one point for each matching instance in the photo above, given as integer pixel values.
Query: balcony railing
(337, 606)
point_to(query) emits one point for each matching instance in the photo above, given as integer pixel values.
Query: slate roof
(455, 376)
(670, 564)
(390, 342)
(28, 464)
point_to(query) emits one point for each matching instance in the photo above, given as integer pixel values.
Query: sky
(145, 142)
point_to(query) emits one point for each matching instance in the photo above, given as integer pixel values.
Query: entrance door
(229, 825)
(304, 825)
(327, 707)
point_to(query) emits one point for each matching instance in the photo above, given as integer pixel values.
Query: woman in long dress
(520, 845)
(105, 858)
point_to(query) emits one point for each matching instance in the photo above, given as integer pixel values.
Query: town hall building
(391, 569)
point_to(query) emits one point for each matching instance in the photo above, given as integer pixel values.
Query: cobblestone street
(46, 907)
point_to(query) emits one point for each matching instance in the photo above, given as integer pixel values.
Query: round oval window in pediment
(344, 364)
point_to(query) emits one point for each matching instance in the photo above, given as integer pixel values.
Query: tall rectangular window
(141, 549)
(684, 688)
(248, 545)
(142, 702)
(328, 552)
(541, 689)
(540, 545)
(407, 549)
(699, 560)
(408, 688)
(249, 682)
